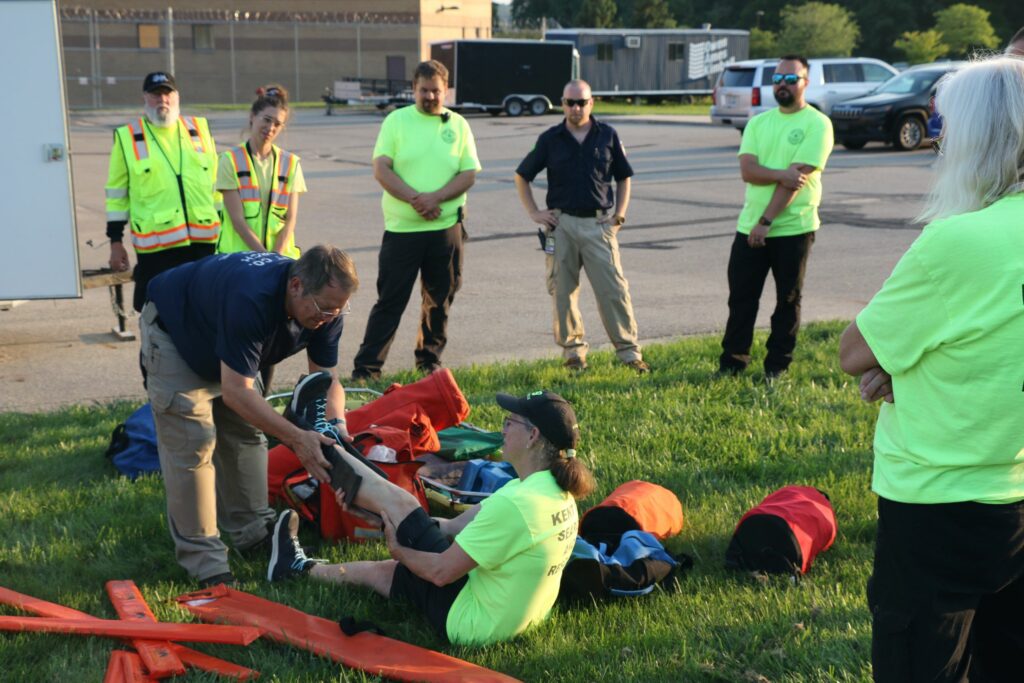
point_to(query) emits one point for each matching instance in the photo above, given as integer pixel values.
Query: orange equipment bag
(437, 395)
(634, 506)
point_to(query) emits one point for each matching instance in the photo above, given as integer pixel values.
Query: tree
(653, 14)
(763, 43)
(530, 12)
(964, 27)
(596, 14)
(921, 46)
(817, 29)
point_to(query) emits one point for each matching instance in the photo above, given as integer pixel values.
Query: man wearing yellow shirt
(782, 155)
(425, 159)
(160, 185)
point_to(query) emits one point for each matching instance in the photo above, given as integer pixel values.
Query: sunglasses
(575, 103)
(937, 146)
(788, 79)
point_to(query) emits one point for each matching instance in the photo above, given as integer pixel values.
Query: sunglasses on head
(788, 79)
(575, 103)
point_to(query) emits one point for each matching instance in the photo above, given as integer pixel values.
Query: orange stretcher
(113, 628)
(366, 651)
(188, 656)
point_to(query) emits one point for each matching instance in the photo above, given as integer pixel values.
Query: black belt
(584, 213)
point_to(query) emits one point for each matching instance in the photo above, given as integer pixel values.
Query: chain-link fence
(222, 56)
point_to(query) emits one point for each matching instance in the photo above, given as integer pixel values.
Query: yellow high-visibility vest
(160, 214)
(266, 228)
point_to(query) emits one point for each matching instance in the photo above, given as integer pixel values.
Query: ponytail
(569, 472)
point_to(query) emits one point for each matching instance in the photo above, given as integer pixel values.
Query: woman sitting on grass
(493, 571)
(942, 344)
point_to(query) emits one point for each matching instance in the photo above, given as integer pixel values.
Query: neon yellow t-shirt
(778, 141)
(521, 539)
(948, 325)
(426, 153)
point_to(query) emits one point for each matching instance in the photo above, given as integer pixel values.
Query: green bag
(465, 443)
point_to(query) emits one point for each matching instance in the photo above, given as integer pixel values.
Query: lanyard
(181, 152)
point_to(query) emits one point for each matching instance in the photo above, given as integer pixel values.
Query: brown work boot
(575, 364)
(639, 366)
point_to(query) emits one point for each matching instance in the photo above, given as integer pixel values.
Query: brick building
(224, 49)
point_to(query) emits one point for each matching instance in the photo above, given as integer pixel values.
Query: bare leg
(376, 494)
(374, 575)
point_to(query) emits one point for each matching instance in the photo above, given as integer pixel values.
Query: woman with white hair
(943, 344)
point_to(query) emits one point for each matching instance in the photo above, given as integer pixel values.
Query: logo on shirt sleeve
(796, 136)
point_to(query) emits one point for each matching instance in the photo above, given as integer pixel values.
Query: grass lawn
(721, 444)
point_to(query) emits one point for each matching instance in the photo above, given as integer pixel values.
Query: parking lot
(686, 196)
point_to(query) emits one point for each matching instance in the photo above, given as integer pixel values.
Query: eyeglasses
(333, 313)
(937, 146)
(789, 79)
(509, 420)
(575, 103)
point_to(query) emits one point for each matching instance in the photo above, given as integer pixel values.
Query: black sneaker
(287, 558)
(308, 407)
(227, 578)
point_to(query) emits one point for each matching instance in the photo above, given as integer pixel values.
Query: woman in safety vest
(261, 183)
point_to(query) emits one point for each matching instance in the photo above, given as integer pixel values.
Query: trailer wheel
(538, 106)
(515, 107)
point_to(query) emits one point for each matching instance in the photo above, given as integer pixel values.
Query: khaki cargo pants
(214, 463)
(585, 243)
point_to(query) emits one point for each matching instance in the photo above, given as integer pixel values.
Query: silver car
(744, 89)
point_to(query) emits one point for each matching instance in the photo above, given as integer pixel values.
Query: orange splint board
(157, 656)
(126, 667)
(113, 628)
(187, 655)
(369, 652)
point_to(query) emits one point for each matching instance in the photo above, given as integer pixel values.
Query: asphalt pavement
(687, 194)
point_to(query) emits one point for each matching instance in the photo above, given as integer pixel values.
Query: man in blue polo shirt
(207, 329)
(580, 226)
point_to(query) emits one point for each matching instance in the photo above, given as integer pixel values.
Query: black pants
(947, 592)
(786, 258)
(149, 265)
(436, 257)
(420, 532)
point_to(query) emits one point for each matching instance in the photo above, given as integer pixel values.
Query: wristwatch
(764, 221)
(618, 219)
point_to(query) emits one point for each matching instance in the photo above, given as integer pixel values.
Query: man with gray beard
(163, 168)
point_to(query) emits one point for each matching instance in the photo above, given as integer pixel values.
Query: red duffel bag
(784, 533)
(437, 394)
(412, 420)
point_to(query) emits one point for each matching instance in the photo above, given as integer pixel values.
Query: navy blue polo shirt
(579, 175)
(230, 308)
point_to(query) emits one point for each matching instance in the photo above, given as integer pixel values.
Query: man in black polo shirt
(582, 156)
(207, 329)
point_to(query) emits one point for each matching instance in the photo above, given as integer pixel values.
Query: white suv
(744, 89)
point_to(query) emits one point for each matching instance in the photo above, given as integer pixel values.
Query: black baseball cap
(548, 412)
(157, 80)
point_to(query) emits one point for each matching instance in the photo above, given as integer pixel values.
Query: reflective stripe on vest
(204, 233)
(193, 132)
(247, 189)
(139, 136)
(280, 196)
(155, 241)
